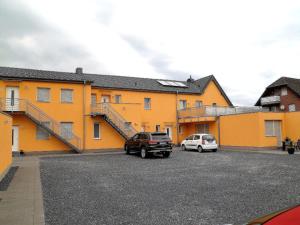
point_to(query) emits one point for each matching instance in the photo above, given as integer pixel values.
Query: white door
(168, 130)
(104, 98)
(15, 139)
(12, 98)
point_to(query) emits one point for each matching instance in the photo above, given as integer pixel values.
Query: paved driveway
(187, 188)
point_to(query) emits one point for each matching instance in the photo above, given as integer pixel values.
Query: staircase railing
(118, 120)
(42, 119)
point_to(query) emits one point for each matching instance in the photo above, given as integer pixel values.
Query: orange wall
(292, 121)
(5, 140)
(248, 129)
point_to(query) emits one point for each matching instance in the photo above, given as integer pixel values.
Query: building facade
(58, 111)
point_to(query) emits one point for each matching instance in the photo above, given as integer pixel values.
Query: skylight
(171, 83)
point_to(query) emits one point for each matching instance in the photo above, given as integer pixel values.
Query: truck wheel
(166, 154)
(144, 153)
(200, 149)
(127, 150)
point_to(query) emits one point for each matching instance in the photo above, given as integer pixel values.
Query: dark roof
(111, 81)
(292, 83)
(32, 74)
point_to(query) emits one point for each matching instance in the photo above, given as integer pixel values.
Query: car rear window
(160, 136)
(208, 137)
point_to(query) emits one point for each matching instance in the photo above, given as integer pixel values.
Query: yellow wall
(292, 124)
(5, 141)
(248, 129)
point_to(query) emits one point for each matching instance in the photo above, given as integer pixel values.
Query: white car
(200, 142)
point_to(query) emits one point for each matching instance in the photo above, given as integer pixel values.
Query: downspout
(219, 131)
(177, 119)
(84, 112)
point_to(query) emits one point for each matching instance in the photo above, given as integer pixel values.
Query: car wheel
(183, 148)
(214, 150)
(144, 153)
(127, 150)
(200, 149)
(166, 154)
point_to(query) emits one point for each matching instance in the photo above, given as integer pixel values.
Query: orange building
(54, 111)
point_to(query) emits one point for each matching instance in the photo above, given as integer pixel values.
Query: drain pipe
(177, 123)
(84, 112)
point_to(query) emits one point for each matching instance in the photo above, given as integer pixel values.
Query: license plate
(162, 143)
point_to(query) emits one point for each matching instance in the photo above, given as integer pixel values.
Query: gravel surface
(186, 189)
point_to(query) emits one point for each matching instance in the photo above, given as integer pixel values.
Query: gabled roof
(292, 83)
(111, 81)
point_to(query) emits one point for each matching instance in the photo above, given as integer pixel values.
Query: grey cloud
(160, 62)
(28, 41)
(104, 12)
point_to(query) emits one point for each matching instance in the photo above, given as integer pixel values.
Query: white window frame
(39, 97)
(292, 108)
(118, 99)
(61, 95)
(284, 91)
(272, 127)
(99, 131)
(147, 105)
(41, 133)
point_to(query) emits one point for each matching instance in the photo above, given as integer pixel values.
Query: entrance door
(168, 130)
(277, 127)
(12, 98)
(105, 98)
(15, 138)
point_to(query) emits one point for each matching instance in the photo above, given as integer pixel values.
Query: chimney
(78, 70)
(191, 80)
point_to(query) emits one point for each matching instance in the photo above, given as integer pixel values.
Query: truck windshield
(160, 136)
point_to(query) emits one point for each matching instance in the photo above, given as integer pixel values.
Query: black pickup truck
(149, 142)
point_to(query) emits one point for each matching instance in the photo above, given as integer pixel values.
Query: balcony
(209, 113)
(270, 100)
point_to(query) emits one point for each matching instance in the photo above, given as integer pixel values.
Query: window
(272, 128)
(43, 94)
(41, 133)
(197, 137)
(127, 125)
(94, 99)
(157, 128)
(118, 99)
(66, 130)
(182, 104)
(284, 91)
(96, 130)
(214, 104)
(202, 128)
(190, 137)
(147, 103)
(198, 104)
(144, 136)
(292, 108)
(180, 129)
(66, 95)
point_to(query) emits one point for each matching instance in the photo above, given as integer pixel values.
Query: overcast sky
(246, 44)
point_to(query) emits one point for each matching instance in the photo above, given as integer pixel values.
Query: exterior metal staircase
(114, 119)
(41, 119)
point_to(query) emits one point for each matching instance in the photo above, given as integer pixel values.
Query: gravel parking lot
(187, 188)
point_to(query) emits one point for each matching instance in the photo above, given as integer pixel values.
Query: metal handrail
(206, 111)
(115, 117)
(23, 105)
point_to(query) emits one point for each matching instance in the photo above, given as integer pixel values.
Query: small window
(66, 130)
(157, 128)
(117, 99)
(198, 104)
(94, 99)
(66, 96)
(41, 133)
(127, 125)
(292, 108)
(180, 129)
(182, 104)
(147, 103)
(272, 128)
(43, 94)
(214, 104)
(96, 131)
(283, 91)
(196, 137)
